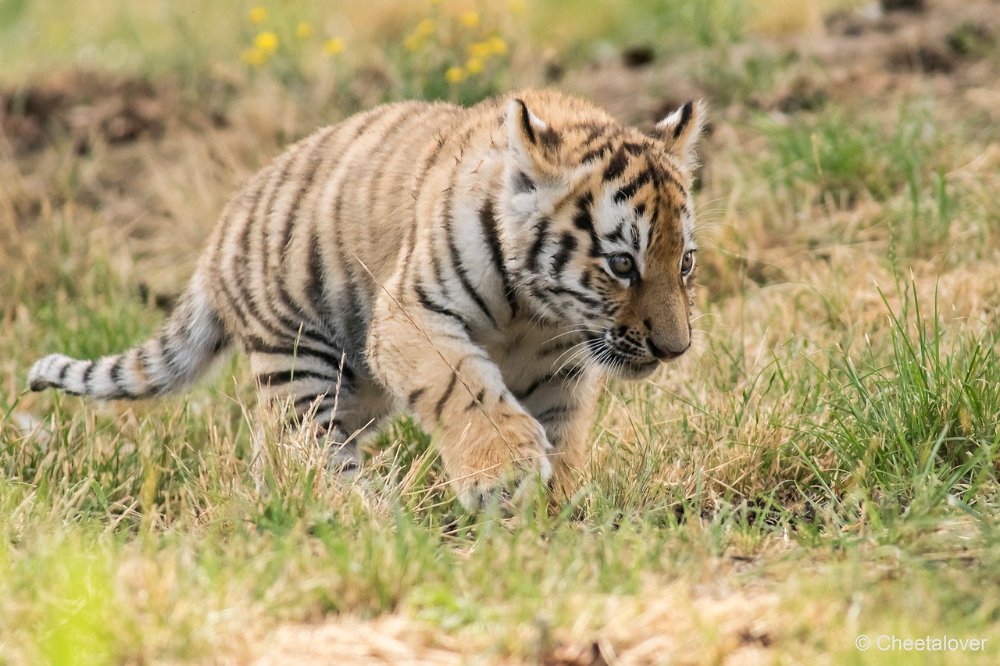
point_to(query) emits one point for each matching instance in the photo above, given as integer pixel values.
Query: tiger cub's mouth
(624, 363)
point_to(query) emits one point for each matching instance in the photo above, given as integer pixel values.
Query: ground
(821, 472)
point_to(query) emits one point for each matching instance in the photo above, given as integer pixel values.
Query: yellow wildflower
(266, 42)
(474, 65)
(517, 6)
(257, 15)
(425, 28)
(334, 45)
(469, 19)
(254, 57)
(497, 45)
(479, 50)
(303, 30)
(455, 75)
(413, 43)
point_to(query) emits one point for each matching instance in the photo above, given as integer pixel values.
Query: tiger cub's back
(312, 236)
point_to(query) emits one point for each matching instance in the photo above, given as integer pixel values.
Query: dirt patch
(82, 106)
(928, 58)
(908, 5)
(386, 640)
(681, 624)
(864, 54)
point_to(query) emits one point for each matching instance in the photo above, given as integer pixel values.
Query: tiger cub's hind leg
(316, 391)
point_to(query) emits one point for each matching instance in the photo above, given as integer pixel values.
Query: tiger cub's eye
(687, 263)
(621, 265)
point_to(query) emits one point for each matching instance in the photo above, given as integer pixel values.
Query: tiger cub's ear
(532, 146)
(680, 131)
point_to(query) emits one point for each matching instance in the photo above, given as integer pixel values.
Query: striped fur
(482, 268)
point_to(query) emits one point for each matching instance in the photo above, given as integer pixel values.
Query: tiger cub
(482, 268)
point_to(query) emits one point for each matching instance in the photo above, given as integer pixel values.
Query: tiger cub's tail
(171, 360)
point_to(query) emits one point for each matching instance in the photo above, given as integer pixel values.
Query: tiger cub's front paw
(506, 465)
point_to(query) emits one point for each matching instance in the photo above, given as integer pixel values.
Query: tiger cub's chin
(635, 370)
(414, 257)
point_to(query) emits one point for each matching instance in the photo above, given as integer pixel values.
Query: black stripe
(583, 221)
(663, 174)
(438, 268)
(578, 295)
(597, 144)
(653, 224)
(594, 131)
(616, 167)
(256, 345)
(626, 192)
(222, 340)
(526, 121)
(287, 376)
(557, 411)
(633, 148)
(350, 315)
(65, 369)
(426, 302)
(600, 151)
(488, 221)
(617, 234)
(428, 164)
(478, 400)
(685, 119)
(168, 354)
(536, 248)
(426, 168)
(284, 177)
(116, 369)
(567, 244)
(303, 332)
(116, 377)
(543, 295)
(534, 386)
(331, 424)
(412, 398)
(456, 261)
(87, 374)
(550, 138)
(435, 257)
(439, 407)
(278, 326)
(234, 304)
(411, 234)
(317, 275)
(304, 403)
(522, 183)
(315, 160)
(240, 264)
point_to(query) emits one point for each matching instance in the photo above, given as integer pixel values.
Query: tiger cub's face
(601, 223)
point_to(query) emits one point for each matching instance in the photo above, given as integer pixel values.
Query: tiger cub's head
(599, 222)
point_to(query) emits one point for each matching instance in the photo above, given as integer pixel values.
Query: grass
(824, 467)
